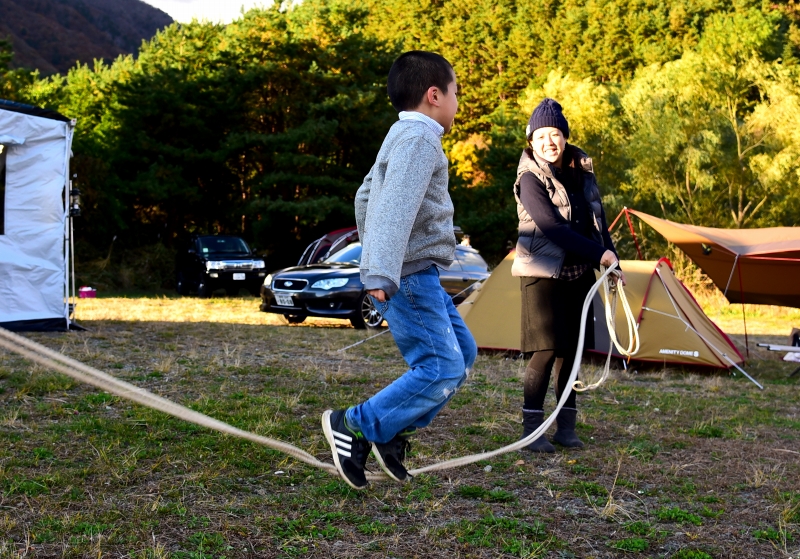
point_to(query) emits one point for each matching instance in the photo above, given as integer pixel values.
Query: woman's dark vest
(537, 256)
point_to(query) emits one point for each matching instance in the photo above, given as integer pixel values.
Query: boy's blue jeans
(438, 348)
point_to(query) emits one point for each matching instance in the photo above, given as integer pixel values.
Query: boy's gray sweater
(403, 210)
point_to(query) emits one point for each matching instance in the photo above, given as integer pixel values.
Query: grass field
(680, 464)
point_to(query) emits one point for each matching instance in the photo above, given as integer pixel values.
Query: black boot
(531, 420)
(565, 434)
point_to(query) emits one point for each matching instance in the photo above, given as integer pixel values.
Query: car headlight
(213, 265)
(329, 283)
(258, 265)
(268, 280)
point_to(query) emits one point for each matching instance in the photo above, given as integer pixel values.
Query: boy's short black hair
(413, 73)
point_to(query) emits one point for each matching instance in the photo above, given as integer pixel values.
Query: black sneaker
(390, 456)
(350, 449)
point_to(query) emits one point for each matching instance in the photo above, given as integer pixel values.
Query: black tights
(537, 377)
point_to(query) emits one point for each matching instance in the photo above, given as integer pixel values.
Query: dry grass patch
(230, 310)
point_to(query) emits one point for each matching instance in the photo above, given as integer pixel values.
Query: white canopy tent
(35, 228)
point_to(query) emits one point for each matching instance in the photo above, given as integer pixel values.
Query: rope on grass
(89, 375)
(81, 372)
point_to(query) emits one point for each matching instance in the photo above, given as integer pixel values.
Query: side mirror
(192, 251)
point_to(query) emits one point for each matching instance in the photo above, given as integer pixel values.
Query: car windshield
(471, 262)
(351, 254)
(223, 245)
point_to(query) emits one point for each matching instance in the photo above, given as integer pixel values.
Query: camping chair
(794, 340)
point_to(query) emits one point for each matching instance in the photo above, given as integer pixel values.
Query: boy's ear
(433, 96)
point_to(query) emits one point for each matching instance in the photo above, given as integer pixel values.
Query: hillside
(51, 35)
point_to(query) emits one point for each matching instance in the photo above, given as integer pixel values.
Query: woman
(562, 237)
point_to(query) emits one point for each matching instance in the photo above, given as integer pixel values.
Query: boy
(405, 221)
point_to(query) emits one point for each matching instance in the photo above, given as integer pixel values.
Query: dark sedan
(333, 289)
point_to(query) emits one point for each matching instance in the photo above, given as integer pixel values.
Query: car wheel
(294, 318)
(203, 289)
(367, 316)
(180, 284)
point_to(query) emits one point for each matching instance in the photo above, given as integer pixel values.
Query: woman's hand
(607, 260)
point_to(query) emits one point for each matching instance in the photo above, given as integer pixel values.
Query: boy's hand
(378, 294)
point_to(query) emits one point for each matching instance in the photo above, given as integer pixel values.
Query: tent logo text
(682, 352)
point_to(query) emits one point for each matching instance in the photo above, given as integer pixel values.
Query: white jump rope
(89, 375)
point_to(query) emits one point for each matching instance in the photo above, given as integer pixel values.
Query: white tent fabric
(33, 248)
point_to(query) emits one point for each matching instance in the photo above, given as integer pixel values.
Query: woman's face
(548, 143)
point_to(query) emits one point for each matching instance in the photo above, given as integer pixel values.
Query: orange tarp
(754, 266)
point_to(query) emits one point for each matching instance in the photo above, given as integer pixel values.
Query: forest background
(266, 126)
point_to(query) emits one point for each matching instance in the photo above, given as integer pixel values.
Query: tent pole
(635, 240)
(721, 353)
(72, 259)
(730, 277)
(67, 233)
(754, 381)
(741, 297)
(69, 245)
(616, 219)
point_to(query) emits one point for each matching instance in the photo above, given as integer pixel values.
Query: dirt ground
(678, 463)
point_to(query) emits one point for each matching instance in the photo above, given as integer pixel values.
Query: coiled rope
(81, 372)
(610, 302)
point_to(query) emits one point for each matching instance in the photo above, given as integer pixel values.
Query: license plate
(238, 276)
(284, 300)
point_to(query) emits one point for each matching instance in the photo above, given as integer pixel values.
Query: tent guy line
(84, 373)
(688, 325)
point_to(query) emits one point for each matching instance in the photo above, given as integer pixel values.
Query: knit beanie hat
(547, 113)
